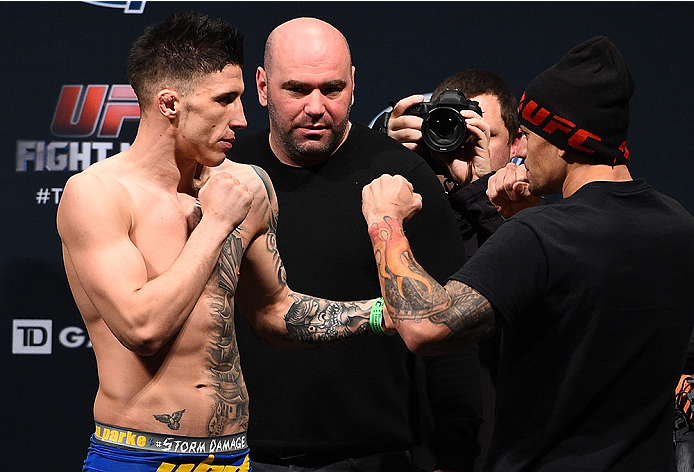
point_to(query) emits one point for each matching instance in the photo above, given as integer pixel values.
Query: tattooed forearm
(409, 290)
(314, 320)
(412, 295)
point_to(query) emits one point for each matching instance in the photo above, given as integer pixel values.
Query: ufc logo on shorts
(32, 336)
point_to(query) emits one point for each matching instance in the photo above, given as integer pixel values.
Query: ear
(353, 84)
(261, 85)
(516, 142)
(167, 103)
(568, 157)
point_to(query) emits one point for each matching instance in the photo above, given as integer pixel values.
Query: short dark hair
(473, 82)
(174, 52)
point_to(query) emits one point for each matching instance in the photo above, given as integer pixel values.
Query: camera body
(443, 127)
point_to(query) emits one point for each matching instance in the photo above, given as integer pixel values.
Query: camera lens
(443, 129)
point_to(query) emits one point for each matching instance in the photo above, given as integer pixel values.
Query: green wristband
(376, 316)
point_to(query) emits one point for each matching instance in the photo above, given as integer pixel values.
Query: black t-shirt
(598, 292)
(358, 397)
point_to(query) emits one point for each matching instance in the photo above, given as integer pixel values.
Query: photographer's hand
(407, 129)
(472, 160)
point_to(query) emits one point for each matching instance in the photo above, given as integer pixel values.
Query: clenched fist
(391, 196)
(508, 190)
(224, 198)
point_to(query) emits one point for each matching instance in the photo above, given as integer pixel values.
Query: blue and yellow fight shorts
(115, 449)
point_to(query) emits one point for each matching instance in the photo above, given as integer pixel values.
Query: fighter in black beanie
(593, 292)
(581, 104)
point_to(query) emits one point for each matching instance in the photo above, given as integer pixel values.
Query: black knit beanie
(581, 104)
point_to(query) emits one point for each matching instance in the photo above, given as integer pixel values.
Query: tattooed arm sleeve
(430, 318)
(278, 315)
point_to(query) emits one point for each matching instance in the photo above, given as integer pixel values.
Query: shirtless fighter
(155, 266)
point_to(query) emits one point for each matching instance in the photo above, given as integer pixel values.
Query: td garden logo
(35, 336)
(88, 121)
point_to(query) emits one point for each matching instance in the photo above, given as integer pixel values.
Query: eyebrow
(231, 96)
(331, 83)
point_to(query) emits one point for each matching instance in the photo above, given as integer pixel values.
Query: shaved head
(307, 84)
(312, 35)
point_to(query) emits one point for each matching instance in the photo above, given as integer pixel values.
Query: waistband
(142, 441)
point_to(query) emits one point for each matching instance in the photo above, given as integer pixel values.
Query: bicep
(101, 253)
(471, 316)
(262, 286)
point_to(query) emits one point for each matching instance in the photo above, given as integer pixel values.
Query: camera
(443, 127)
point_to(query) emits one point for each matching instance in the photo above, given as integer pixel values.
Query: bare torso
(193, 385)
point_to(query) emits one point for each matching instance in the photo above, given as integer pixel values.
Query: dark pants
(387, 462)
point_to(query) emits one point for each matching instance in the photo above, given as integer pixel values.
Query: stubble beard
(308, 152)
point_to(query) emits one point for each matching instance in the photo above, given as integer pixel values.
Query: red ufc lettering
(539, 117)
(122, 106)
(559, 123)
(78, 112)
(580, 137)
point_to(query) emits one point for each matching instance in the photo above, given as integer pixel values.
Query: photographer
(492, 140)
(459, 148)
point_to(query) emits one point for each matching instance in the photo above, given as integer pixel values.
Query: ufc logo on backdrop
(98, 110)
(91, 111)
